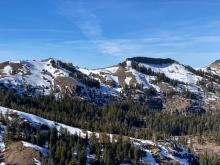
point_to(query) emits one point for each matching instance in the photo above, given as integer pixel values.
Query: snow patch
(127, 80)
(35, 147)
(7, 70)
(37, 161)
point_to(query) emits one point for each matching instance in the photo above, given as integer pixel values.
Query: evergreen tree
(82, 156)
(107, 157)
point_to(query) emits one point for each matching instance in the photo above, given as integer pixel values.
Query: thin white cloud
(89, 24)
(180, 37)
(110, 47)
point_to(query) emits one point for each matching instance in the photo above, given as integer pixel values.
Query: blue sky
(98, 33)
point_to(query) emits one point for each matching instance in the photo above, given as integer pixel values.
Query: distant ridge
(148, 60)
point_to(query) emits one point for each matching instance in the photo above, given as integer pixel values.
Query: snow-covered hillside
(26, 75)
(165, 150)
(164, 76)
(133, 77)
(44, 76)
(36, 78)
(118, 76)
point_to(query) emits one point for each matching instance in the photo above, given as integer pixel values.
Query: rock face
(140, 78)
(65, 84)
(216, 64)
(215, 67)
(13, 68)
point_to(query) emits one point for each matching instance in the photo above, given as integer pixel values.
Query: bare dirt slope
(206, 147)
(17, 154)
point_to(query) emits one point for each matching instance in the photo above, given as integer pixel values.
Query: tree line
(127, 117)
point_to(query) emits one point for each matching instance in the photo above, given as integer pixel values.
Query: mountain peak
(216, 62)
(216, 65)
(149, 60)
(49, 60)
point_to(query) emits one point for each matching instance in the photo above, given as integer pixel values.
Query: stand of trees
(127, 117)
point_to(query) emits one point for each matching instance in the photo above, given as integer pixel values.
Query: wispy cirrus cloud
(89, 24)
(181, 36)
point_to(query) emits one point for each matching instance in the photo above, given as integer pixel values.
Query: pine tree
(50, 161)
(107, 157)
(136, 154)
(38, 136)
(44, 162)
(63, 154)
(82, 156)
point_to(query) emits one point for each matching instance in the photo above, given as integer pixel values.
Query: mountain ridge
(140, 78)
(150, 60)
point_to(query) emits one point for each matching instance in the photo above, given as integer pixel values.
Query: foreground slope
(161, 152)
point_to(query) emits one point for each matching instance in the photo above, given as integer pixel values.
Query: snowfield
(37, 161)
(175, 71)
(36, 147)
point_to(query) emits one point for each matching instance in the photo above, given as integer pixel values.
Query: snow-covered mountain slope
(51, 76)
(45, 76)
(127, 74)
(26, 75)
(140, 78)
(161, 152)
